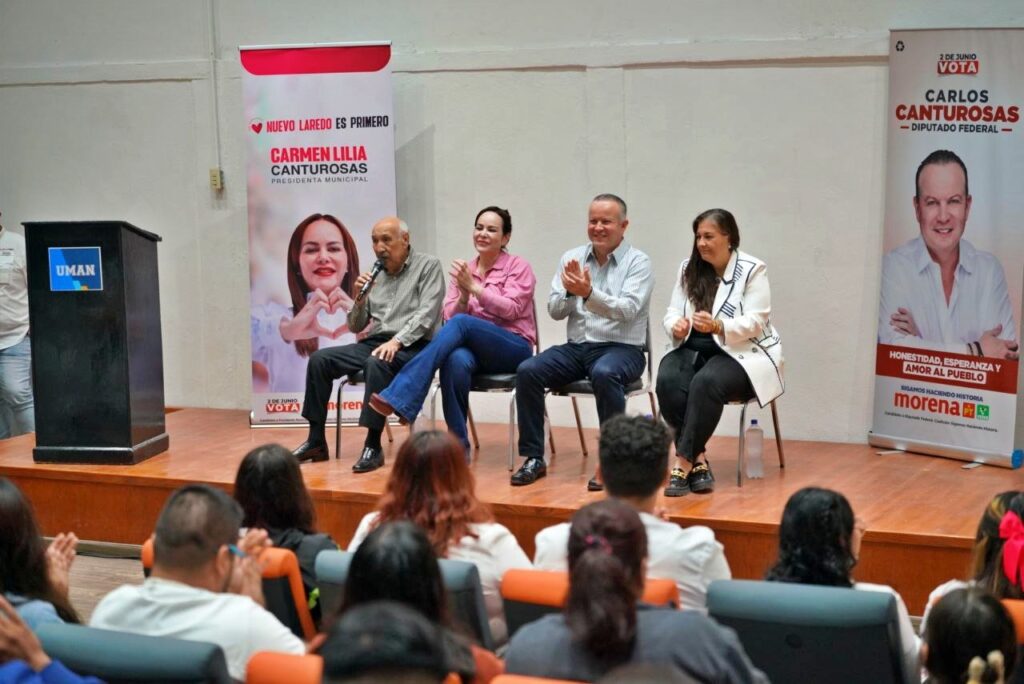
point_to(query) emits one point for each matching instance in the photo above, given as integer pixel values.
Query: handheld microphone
(378, 266)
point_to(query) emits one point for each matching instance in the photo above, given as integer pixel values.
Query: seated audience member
(646, 673)
(202, 587)
(384, 641)
(34, 577)
(992, 568)
(396, 562)
(602, 627)
(22, 659)
(431, 485)
(970, 638)
(819, 543)
(633, 461)
(273, 497)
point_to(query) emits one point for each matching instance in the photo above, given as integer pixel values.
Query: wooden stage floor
(921, 512)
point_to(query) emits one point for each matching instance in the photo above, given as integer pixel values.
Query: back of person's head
(431, 485)
(23, 565)
(1001, 525)
(964, 626)
(634, 455)
(815, 540)
(270, 489)
(647, 673)
(397, 563)
(607, 549)
(195, 523)
(384, 641)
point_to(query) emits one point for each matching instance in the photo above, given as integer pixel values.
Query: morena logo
(949, 407)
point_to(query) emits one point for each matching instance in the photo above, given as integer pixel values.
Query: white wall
(772, 109)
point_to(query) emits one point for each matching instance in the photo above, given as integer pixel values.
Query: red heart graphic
(256, 127)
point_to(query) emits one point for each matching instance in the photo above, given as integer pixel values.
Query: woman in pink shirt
(489, 328)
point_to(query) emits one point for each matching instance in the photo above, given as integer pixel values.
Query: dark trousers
(610, 366)
(327, 365)
(693, 388)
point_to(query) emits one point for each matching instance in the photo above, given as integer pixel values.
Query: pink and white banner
(947, 374)
(320, 147)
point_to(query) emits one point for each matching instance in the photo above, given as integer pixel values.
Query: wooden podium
(97, 354)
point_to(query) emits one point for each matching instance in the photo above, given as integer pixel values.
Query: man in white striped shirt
(604, 289)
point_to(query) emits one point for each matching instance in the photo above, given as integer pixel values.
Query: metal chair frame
(647, 387)
(353, 379)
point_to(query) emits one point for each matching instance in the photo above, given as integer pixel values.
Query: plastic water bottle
(754, 442)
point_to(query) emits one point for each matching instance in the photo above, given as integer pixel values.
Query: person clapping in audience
(970, 638)
(432, 486)
(273, 496)
(602, 626)
(205, 584)
(819, 543)
(24, 660)
(396, 562)
(998, 557)
(34, 576)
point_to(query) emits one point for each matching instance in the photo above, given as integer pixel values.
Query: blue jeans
(465, 345)
(17, 412)
(610, 366)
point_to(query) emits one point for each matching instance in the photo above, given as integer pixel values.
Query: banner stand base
(945, 451)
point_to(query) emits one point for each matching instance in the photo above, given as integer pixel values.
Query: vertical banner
(320, 148)
(947, 371)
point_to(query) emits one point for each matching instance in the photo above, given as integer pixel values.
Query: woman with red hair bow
(998, 557)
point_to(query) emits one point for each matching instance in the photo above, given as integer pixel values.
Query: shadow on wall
(414, 168)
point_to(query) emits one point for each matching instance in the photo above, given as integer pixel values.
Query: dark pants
(610, 366)
(327, 365)
(693, 387)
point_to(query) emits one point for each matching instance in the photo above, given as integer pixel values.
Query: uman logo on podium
(73, 269)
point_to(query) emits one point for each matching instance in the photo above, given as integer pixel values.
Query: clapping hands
(576, 279)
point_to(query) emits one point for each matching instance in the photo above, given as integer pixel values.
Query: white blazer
(743, 303)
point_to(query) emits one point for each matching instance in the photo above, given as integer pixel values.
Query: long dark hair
(987, 559)
(397, 562)
(964, 624)
(700, 282)
(23, 566)
(431, 485)
(270, 489)
(607, 548)
(815, 540)
(297, 287)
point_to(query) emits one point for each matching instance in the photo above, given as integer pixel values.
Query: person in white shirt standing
(17, 410)
(938, 291)
(633, 456)
(205, 584)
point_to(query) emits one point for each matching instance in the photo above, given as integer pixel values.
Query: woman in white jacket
(725, 346)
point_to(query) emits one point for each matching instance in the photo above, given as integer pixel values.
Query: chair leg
(472, 427)
(337, 419)
(654, 407)
(511, 432)
(739, 456)
(778, 436)
(579, 427)
(551, 432)
(433, 405)
(387, 429)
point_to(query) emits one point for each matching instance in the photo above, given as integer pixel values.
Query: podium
(97, 354)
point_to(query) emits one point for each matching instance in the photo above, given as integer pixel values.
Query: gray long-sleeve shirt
(406, 305)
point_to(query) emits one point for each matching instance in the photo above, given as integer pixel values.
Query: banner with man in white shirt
(947, 363)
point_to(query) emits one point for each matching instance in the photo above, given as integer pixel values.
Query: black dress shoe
(371, 459)
(595, 485)
(311, 450)
(701, 480)
(678, 485)
(529, 472)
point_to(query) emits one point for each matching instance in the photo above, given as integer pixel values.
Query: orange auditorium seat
(267, 667)
(1016, 610)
